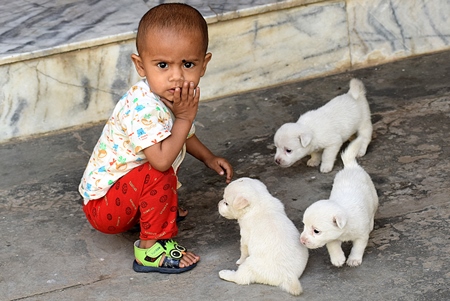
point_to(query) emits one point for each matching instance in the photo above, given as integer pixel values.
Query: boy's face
(169, 58)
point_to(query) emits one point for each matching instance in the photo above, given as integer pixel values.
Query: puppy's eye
(288, 151)
(316, 231)
(226, 204)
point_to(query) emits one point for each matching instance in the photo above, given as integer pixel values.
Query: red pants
(143, 195)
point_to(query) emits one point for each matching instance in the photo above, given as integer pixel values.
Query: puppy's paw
(338, 260)
(313, 162)
(361, 153)
(227, 275)
(293, 287)
(354, 262)
(326, 168)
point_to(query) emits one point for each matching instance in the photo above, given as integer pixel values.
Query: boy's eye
(163, 65)
(188, 65)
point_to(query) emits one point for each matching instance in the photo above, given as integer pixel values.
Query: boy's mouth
(172, 91)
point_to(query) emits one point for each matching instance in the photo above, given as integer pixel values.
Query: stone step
(66, 63)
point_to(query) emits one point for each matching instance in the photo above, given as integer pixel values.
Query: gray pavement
(48, 251)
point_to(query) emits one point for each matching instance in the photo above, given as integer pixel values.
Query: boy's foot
(181, 214)
(165, 256)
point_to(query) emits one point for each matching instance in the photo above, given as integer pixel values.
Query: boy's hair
(175, 16)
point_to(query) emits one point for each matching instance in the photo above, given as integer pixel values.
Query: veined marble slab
(277, 47)
(386, 30)
(48, 85)
(36, 28)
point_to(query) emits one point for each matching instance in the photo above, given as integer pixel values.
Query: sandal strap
(170, 263)
(151, 256)
(172, 248)
(155, 251)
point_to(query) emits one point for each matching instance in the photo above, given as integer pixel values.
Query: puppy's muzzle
(303, 240)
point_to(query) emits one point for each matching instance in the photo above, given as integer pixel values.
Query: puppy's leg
(357, 252)
(337, 256)
(244, 254)
(227, 275)
(328, 158)
(315, 159)
(243, 275)
(292, 286)
(365, 135)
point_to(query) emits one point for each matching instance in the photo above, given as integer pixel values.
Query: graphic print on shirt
(139, 120)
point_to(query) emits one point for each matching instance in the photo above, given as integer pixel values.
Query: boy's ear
(208, 57)
(138, 64)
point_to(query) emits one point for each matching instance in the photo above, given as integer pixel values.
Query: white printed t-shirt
(139, 120)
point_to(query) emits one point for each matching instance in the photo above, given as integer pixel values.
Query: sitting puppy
(347, 216)
(321, 133)
(271, 252)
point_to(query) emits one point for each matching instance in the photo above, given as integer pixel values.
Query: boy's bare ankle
(145, 244)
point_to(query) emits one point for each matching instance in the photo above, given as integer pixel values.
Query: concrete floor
(48, 251)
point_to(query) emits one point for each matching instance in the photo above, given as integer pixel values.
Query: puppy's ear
(305, 139)
(339, 221)
(240, 202)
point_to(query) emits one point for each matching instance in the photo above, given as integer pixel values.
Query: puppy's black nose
(277, 161)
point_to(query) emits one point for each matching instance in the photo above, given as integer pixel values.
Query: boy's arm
(184, 106)
(162, 155)
(199, 151)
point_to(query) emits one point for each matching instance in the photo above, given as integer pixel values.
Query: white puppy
(321, 133)
(348, 215)
(271, 252)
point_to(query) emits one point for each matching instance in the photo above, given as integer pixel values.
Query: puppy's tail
(357, 89)
(348, 156)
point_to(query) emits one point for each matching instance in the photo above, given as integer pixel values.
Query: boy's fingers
(229, 174)
(176, 95)
(191, 90)
(185, 91)
(224, 169)
(197, 93)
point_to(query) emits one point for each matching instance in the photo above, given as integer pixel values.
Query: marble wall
(67, 64)
(385, 30)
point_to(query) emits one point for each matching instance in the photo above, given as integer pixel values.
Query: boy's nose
(177, 75)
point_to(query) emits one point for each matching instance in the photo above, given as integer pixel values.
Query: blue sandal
(150, 258)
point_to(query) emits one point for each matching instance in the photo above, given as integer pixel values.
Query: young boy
(131, 176)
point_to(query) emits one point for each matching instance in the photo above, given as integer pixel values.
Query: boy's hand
(221, 166)
(185, 101)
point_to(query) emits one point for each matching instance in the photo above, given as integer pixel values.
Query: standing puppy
(321, 133)
(347, 216)
(271, 252)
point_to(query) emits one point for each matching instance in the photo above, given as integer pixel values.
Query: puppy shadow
(320, 259)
